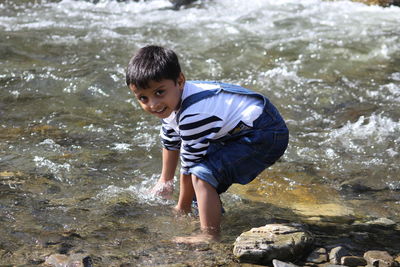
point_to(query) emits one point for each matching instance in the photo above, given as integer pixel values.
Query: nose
(153, 103)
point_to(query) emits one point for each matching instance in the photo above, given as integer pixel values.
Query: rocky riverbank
(280, 244)
(290, 244)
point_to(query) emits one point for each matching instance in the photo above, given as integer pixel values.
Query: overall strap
(192, 99)
(231, 88)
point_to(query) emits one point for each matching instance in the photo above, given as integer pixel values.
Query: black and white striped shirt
(209, 119)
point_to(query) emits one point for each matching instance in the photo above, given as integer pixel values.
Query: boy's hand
(163, 189)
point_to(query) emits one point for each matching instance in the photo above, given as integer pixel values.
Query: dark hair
(152, 63)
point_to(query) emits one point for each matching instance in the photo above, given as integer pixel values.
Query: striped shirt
(209, 119)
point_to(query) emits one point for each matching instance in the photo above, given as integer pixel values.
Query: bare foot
(195, 239)
(181, 212)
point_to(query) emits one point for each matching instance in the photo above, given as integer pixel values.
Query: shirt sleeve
(170, 139)
(196, 131)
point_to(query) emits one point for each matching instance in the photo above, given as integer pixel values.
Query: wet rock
(376, 224)
(318, 255)
(383, 3)
(379, 258)
(74, 260)
(178, 3)
(87, 261)
(336, 254)
(56, 260)
(330, 212)
(283, 242)
(383, 222)
(353, 261)
(397, 261)
(278, 263)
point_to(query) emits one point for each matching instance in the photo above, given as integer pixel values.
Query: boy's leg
(186, 193)
(209, 206)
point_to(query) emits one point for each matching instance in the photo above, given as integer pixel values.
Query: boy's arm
(169, 162)
(165, 185)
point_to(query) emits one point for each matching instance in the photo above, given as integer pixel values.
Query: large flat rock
(285, 242)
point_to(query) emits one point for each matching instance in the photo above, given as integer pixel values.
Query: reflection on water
(78, 156)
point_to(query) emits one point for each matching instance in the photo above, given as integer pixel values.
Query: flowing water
(78, 156)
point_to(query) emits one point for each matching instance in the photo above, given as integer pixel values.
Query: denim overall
(245, 152)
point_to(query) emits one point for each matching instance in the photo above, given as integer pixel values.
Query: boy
(223, 133)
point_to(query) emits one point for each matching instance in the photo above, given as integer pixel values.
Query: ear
(181, 81)
(132, 88)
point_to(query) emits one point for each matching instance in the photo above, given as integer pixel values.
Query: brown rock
(336, 254)
(353, 261)
(397, 259)
(379, 258)
(318, 255)
(379, 2)
(277, 263)
(283, 242)
(56, 260)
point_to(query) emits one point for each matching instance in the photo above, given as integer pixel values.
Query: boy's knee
(199, 183)
(196, 180)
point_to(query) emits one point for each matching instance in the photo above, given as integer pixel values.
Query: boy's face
(160, 98)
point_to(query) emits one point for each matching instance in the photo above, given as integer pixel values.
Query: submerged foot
(196, 239)
(181, 211)
(207, 235)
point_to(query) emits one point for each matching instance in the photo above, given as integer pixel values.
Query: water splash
(373, 130)
(140, 193)
(60, 171)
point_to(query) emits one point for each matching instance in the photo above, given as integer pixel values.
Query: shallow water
(78, 156)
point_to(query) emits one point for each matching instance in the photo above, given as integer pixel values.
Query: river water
(78, 156)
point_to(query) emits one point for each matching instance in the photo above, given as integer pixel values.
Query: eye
(159, 92)
(142, 98)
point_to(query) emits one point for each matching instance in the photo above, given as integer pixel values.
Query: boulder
(397, 260)
(277, 263)
(318, 255)
(379, 258)
(336, 254)
(353, 261)
(284, 242)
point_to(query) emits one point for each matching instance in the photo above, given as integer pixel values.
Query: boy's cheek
(146, 109)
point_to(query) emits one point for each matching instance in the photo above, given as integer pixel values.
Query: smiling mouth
(160, 110)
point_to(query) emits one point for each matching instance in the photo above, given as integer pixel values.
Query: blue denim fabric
(240, 157)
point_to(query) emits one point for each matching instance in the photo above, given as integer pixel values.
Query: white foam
(58, 170)
(370, 130)
(394, 185)
(122, 147)
(395, 76)
(392, 88)
(97, 91)
(391, 152)
(140, 193)
(93, 128)
(50, 143)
